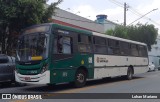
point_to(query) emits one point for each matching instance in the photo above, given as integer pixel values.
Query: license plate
(27, 78)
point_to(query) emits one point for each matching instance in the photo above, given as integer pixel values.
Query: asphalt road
(143, 83)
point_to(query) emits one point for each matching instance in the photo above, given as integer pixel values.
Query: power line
(134, 11)
(154, 22)
(139, 14)
(142, 16)
(125, 6)
(118, 4)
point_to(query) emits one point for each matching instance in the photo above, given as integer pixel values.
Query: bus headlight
(44, 68)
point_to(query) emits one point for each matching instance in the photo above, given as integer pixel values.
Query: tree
(16, 15)
(142, 33)
(119, 31)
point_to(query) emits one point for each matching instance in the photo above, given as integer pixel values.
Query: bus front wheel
(80, 78)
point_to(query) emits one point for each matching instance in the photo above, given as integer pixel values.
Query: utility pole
(125, 9)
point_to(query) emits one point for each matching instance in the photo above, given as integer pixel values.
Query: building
(154, 54)
(107, 24)
(100, 25)
(69, 19)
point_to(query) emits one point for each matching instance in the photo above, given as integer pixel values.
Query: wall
(109, 25)
(70, 19)
(154, 54)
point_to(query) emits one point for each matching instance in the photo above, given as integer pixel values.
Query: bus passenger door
(62, 59)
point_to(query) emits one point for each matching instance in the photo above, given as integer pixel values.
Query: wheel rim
(80, 78)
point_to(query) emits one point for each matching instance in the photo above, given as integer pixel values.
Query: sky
(114, 9)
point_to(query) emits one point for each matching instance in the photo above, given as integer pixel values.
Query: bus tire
(129, 73)
(80, 78)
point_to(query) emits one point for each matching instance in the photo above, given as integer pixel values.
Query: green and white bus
(52, 54)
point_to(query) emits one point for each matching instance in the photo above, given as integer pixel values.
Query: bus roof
(86, 32)
(73, 29)
(44, 24)
(117, 38)
(99, 34)
(63, 27)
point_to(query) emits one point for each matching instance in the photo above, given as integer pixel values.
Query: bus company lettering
(64, 32)
(101, 60)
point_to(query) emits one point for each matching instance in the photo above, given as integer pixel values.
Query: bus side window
(124, 48)
(100, 45)
(84, 43)
(110, 49)
(134, 50)
(144, 51)
(117, 47)
(67, 45)
(63, 45)
(140, 51)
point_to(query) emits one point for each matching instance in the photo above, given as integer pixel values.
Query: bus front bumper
(43, 78)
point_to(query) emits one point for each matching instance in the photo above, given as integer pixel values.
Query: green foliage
(16, 15)
(50, 11)
(142, 33)
(119, 31)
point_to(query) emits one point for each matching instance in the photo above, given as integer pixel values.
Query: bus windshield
(32, 47)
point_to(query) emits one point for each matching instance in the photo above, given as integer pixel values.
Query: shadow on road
(64, 87)
(4, 85)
